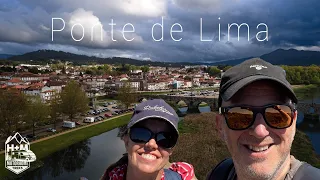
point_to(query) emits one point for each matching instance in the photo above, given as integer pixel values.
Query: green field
(45, 148)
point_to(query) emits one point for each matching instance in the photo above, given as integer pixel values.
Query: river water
(88, 158)
(91, 157)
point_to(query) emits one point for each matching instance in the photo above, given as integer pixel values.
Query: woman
(149, 139)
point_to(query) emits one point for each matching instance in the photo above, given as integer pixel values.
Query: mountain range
(5, 56)
(277, 57)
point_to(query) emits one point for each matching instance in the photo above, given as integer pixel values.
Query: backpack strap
(306, 171)
(171, 175)
(221, 171)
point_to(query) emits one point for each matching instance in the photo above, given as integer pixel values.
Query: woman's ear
(125, 139)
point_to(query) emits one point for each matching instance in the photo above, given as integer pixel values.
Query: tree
(127, 95)
(12, 110)
(38, 111)
(55, 109)
(73, 100)
(145, 69)
(188, 78)
(213, 71)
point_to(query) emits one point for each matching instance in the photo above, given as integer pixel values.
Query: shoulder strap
(221, 171)
(306, 171)
(171, 175)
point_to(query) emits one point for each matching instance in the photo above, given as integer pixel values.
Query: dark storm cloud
(26, 26)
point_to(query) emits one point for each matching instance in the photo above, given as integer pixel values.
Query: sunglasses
(165, 140)
(242, 117)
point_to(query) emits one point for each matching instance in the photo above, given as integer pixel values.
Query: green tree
(145, 68)
(55, 109)
(13, 106)
(213, 71)
(73, 100)
(127, 95)
(38, 111)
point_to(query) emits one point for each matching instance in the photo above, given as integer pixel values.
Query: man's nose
(259, 128)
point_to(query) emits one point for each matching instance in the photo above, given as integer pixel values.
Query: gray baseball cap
(155, 108)
(249, 71)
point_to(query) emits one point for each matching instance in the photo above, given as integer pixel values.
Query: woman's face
(148, 157)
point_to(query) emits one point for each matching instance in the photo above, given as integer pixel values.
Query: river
(90, 158)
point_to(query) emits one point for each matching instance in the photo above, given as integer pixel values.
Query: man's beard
(251, 174)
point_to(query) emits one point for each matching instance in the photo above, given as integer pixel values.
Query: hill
(278, 57)
(49, 55)
(292, 57)
(5, 56)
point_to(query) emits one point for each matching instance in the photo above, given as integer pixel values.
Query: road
(42, 131)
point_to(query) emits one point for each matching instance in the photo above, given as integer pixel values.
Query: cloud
(26, 26)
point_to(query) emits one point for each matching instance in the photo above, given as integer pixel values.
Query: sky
(160, 30)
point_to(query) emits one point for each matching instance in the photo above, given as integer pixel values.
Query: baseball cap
(155, 108)
(249, 71)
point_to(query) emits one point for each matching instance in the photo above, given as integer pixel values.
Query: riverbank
(303, 88)
(46, 147)
(200, 145)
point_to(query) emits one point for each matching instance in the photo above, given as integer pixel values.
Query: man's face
(247, 147)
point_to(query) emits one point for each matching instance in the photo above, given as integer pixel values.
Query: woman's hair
(123, 160)
(123, 130)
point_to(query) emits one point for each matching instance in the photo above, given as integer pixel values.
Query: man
(257, 120)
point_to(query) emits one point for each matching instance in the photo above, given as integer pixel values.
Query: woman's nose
(152, 144)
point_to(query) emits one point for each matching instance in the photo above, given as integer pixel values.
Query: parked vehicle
(89, 119)
(31, 137)
(107, 115)
(68, 124)
(78, 123)
(51, 130)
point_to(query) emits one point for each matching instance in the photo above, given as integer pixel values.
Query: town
(106, 89)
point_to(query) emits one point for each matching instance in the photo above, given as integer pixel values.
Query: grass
(45, 148)
(199, 144)
(305, 88)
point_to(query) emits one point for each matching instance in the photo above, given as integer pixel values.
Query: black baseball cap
(249, 71)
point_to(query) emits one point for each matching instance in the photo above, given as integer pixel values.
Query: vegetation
(203, 104)
(37, 111)
(303, 74)
(127, 95)
(200, 145)
(213, 71)
(45, 148)
(308, 92)
(13, 107)
(73, 100)
(145, 68)
(55, 109)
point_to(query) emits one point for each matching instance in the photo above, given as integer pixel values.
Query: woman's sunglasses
(242, 117)
(165, 140)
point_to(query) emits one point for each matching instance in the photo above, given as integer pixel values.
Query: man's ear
(295, 115)
(219, 124)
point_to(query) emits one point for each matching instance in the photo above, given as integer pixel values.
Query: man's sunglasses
(165, 140)
(242, 117)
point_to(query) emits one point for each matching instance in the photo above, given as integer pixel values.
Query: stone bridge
(213, 102)
(189, 100)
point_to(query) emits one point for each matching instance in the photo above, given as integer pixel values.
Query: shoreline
(46, 146)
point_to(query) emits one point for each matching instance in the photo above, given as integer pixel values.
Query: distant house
(14, 82)
(27, 76)
(6, 75)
